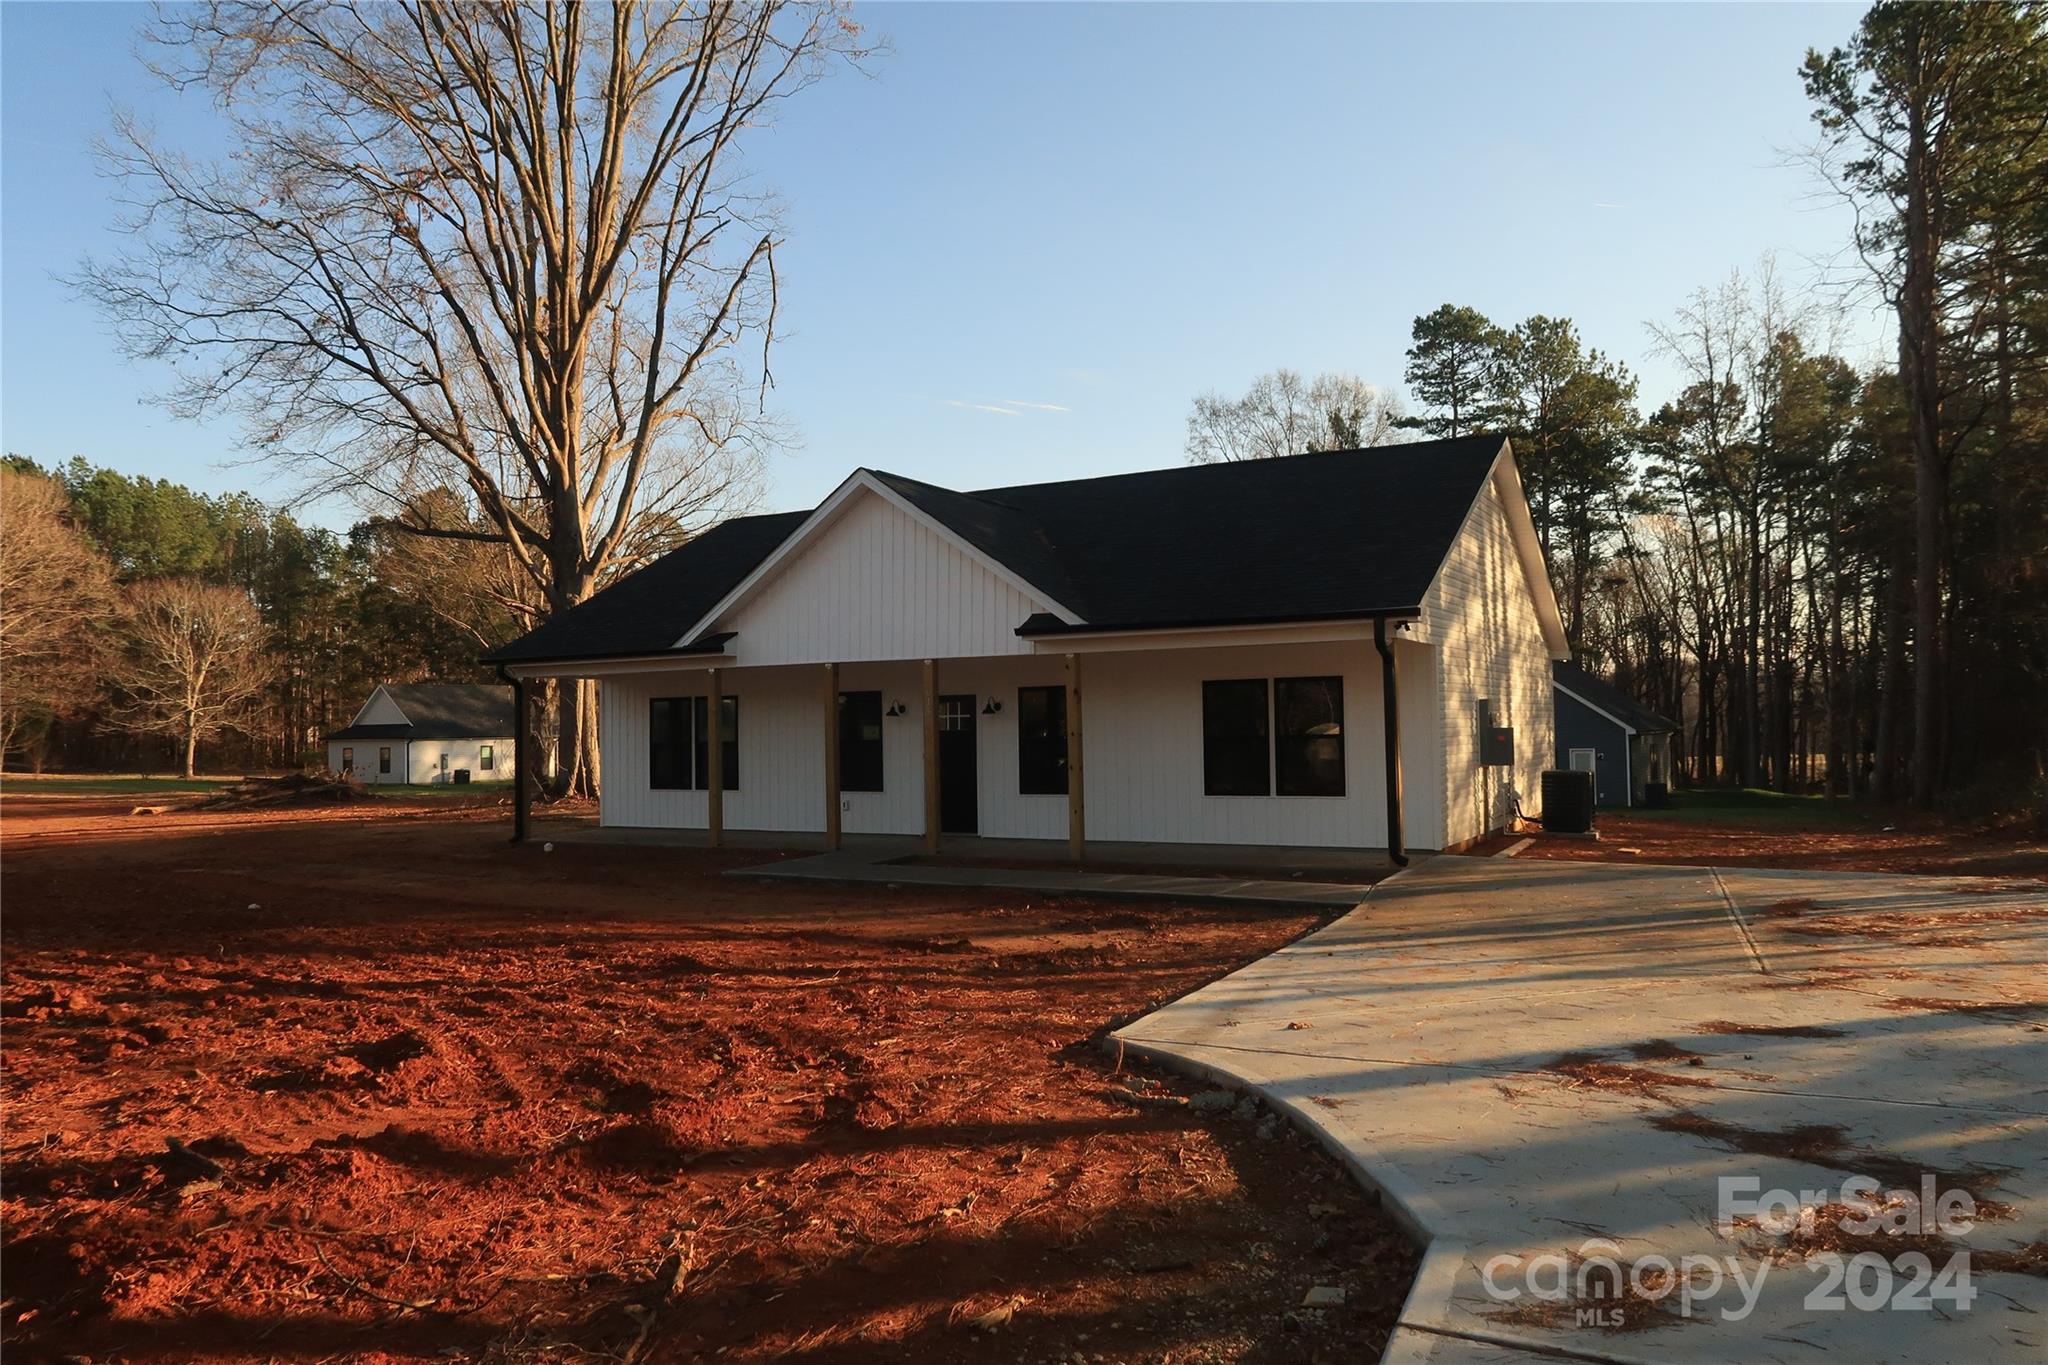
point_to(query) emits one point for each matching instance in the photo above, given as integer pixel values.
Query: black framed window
(700, 743)
(348, 759)
(1236, 756)
(1042, 741)
(679, 744)
(1308, 736)
(384, 759)
(860, 741)
(486, 759)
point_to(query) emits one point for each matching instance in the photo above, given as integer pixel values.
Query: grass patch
(21, 784)
(431, 789)
(1754, 807)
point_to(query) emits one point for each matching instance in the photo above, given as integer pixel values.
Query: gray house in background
(422, 733)
(1624, 744)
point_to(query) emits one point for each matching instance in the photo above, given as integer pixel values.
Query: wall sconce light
(895, 709)
(992, 707)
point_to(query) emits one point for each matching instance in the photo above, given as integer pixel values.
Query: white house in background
(1212, 654)
(428, 732)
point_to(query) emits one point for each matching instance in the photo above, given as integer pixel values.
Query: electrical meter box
(1497, 746)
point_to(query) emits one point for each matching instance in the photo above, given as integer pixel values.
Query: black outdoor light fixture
(992, 707)
(895, 709)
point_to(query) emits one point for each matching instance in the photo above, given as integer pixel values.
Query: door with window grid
(958, 810)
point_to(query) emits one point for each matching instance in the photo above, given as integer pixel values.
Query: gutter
(1037, 627)
(521, 729)
(1396, 837)
(708, 646)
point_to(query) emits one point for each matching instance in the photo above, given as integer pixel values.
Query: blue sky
(1100, 210)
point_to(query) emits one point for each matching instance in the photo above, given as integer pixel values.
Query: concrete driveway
(1548, 1069)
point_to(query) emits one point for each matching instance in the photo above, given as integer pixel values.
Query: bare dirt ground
(1917, 845)
(365, 1082)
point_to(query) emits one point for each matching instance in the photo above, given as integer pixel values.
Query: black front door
(957, 813)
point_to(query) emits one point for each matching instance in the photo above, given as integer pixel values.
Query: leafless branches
(192, 657)
(1285, 414)
(508, 249)
(55, 592)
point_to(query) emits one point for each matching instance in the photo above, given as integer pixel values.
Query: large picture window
(1236, 757)
(1042, 741)
(679, 744)
(1308, 736)
(860, 741)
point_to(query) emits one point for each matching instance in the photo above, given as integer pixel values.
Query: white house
(427, 732)
(1211, 654)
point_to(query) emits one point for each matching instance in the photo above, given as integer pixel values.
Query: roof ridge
(1264, 460)
(979, 494)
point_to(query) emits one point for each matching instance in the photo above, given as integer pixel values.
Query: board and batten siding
(1142, 718)
(1480, 615)
(879, 584)
(782, 751)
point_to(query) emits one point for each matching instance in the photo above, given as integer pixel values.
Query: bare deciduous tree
(503, 248)
(1284, 414)
(55, 591)
(192, 656)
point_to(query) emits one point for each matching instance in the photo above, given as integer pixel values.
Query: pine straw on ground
(301, 1087)
(1844, 1230)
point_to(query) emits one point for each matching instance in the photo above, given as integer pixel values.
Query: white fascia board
(1529, 548)
(1595, 709)
(815, 525)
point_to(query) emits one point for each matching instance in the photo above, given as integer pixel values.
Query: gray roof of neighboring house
(442, 711)
(1610, 699)
(1303, 537)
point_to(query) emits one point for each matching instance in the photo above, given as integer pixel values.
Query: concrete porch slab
(1888, 1024)
(1216, 874)
(883, 864)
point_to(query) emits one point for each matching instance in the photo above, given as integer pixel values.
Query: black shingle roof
(374, 732)
(1343, 533)
(442, 711)
(648, 610)
(1611, 699)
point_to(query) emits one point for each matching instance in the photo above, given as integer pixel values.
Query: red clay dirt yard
(366, 1081)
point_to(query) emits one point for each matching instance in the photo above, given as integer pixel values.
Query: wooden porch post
(1390, 693)
(831, 756)
(714, 763)
(1077, 823)
(931, 756)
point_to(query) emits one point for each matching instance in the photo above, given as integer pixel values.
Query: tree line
(1836, 577)
(143, 624)
(495, 273)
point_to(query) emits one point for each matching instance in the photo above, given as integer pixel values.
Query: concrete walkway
(1890, 1025)
(878, 863)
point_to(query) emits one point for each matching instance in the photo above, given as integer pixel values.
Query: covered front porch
(1101, 754)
